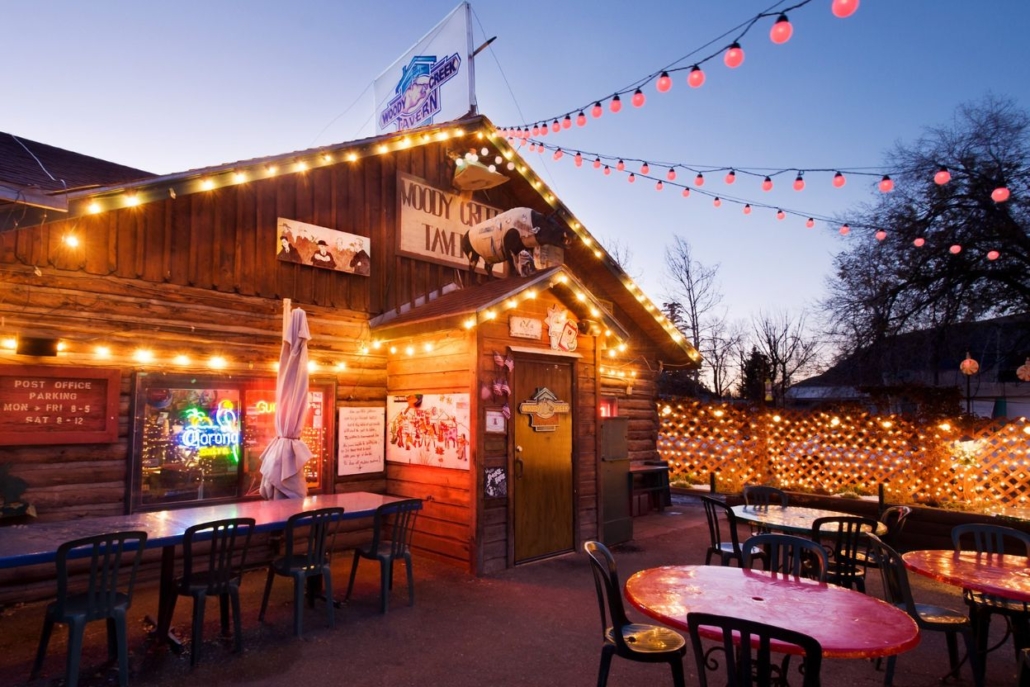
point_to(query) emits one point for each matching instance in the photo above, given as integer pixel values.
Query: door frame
(545, 355)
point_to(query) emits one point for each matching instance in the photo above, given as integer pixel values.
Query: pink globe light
(886, 184)
(717, 202)
(993, 255)
(558, 154)
(581, 119)
(942, 176)
(839, 180)
(616, 104)
(1000, 194)
(955, 250)
(696, 78)
(799, 183)
(644, 168)
(881, 235)
(664, 83)
(780, 214)
(767, 184)
(845, 230)
(747, 209)
(659, 186)
(699, 180)
(607, 170)
(844, 8)
(781, 30)
(918, 243)
(731, 176)
(578, 160)
(638, 98)
(620, 165)
(596, 111)
(671, 174)
(536, 130)
(686, 192)
(597, 163)
(632, 177)
(734, 57)
(567, 122)
(555, 126)
(810, 223)
(543, 129)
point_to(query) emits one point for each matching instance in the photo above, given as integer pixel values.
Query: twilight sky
(167, 87)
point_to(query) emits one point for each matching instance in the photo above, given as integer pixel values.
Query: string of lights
(733, 57)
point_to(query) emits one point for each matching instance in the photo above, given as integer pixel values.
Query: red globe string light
(731, 176)
(747, 209)
(671, 174)
(620, 165)
(567, 122)
(644, 168)
(845, 230)
(555, 126)
(581, 119)
(607, 170)
(597, 163)
(699, 180)
(993, 255)
(734, 56)
(886, 184)
(616, 104)
(578, 160)
(955, 249)
(918, 243)
(781, 30)
(664, 83)
(558, 154)
(799, 183)
(717, 202)
(780, 214)
(881, 235)
(767, 184)
(659, 186)
(696, 78)
(839, 180)
(942, 176)
(536, 130)
(597, 110)
(632, 177)
(543, 129)
(686, 192)
(1000, 194)
(638, 98)
(844, 8)
(809, 222)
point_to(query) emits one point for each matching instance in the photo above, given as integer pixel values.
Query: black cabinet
(617, 526)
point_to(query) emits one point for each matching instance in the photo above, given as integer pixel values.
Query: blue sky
(168, 87)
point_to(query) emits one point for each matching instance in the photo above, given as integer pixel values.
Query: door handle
(518, 468)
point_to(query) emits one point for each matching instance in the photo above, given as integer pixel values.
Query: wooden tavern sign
(543, 410)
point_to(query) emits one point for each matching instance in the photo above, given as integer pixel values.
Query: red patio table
(790, 519)
(38, 543)
(1004, 576)
(848, 624)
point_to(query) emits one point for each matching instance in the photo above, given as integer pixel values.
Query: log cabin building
(141, 317)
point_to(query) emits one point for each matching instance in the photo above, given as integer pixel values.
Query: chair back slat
(322, 525)
(108, 582)
(988, 538)
(846, 535)
(894, 518)
(719, 516)
(395, 523)
(762, 496)
(787, 554)
(227, 543)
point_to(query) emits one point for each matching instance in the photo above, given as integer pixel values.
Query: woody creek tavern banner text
(433, 222)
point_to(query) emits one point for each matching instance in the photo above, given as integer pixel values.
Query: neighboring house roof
(39, 174)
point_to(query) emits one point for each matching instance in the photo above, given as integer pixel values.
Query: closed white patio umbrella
(282, 463)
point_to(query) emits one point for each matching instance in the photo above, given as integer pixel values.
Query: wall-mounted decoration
(525, 327)
(544, 410)
(511, 238)
(309, 244)
(495, 422)
(58, 405)
(562, 332)
(496, 483)
(362, 440)
(428, 429)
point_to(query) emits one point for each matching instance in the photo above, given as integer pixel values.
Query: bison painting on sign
(428, 429)
(309, 244)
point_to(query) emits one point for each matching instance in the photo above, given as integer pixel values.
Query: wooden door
(542, 461)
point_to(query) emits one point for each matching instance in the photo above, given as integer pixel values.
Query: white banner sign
(362, 440)
(432, 82)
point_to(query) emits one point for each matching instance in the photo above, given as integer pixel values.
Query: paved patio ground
(536, 624)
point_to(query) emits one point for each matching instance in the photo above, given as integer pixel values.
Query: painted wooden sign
(543, 410)
(58, 405)
(525, 327)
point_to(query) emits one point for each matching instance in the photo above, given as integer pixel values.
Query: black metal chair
(306, 561)
(739, 638)
(787, 554)
(721, 519)
(995, 539)
(634, 641)
(846, 537)
(393, 525)
(763, 496)
(112, 561)
(897, 591)
(893, 518)
(214, 572)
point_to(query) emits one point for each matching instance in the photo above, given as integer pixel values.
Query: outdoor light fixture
(38, 347)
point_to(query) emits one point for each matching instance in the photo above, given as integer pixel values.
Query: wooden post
(711, 482)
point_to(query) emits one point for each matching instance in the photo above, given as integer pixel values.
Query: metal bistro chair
(720, 517)
(897, 591)
(113, 560)
(216, 572)
(634, 641)
(788, 555)
(392, 527)
(995, 539)
(739, 638)
(309, 560)
(846, 537)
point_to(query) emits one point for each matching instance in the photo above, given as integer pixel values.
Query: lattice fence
(978, 464)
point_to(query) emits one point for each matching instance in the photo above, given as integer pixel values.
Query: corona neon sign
(203, 433)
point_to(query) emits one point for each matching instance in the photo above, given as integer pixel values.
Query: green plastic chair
(392, 527)
(787, 554)
(214, 573)
(113, 559)
(846, 538)
(306, 560)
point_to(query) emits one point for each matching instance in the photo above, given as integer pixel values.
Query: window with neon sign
(202, 439)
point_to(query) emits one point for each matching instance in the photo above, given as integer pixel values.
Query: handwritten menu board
(362, 440)
(58, 405)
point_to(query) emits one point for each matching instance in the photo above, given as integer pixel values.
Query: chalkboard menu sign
(58, 405)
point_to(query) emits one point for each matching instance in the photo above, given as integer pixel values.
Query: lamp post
(969, 367)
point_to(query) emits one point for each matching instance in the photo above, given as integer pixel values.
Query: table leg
(166, 599)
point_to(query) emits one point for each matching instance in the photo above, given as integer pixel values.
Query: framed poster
(428, 429)
(362, 440)
(310, 244)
